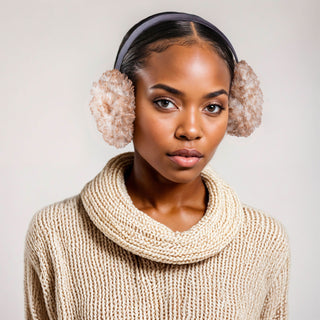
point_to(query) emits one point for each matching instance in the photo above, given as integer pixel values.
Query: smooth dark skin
(173, 195)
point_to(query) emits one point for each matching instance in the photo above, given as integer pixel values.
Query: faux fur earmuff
(113, 105)
(245, 101)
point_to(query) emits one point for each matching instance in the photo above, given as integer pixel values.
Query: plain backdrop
(52, 51)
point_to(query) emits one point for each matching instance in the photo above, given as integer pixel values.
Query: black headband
(167, 16)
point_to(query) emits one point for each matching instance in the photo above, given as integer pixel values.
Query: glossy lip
(186, 158)
(186, 153)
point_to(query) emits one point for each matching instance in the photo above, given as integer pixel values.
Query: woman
(156, 235)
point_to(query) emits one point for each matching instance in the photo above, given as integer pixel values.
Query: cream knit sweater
(96, 256)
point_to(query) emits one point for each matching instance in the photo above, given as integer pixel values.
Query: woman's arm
(38, 281)
(276, 303)
(35, 306)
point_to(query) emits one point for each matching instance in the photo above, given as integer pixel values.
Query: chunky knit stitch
(96, 256)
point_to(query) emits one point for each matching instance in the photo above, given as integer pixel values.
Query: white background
(52, 51)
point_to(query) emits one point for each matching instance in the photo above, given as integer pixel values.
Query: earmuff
(113, 101)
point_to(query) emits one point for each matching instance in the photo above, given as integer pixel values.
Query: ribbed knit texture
(96, 256)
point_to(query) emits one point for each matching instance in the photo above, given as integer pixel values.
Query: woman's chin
(182, 176)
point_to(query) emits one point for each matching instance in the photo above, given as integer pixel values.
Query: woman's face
(181, 110)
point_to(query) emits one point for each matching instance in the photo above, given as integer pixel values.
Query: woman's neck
(162, 199)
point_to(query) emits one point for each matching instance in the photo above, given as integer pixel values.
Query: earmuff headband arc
(163, 17)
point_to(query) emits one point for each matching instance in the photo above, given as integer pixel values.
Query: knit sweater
(96, 256)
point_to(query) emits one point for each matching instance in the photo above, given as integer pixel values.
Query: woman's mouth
(185, 157)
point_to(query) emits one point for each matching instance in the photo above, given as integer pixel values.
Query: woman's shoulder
(264, 231)
(263, 221)
(56, 211)
(52, 219)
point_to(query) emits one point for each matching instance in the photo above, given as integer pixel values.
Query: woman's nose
(189, 125)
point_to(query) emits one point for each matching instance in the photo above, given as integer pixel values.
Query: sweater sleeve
(38, 300)
(35, 307)
(276, 302)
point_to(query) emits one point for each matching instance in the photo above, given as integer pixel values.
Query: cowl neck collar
(110, 207)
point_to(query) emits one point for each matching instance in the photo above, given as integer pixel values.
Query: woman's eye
(164, 104)
(214, 108)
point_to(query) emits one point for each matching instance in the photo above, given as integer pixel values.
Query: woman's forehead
(186, 63)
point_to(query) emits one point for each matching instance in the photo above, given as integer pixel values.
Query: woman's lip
(186, 153)
(186, 162)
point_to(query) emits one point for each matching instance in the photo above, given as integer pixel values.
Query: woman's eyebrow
(167, 88)
(179, 93)
(215, 94)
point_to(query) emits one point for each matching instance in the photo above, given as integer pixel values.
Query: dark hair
(162, 35)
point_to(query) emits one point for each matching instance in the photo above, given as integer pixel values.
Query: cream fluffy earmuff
(113, 105)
